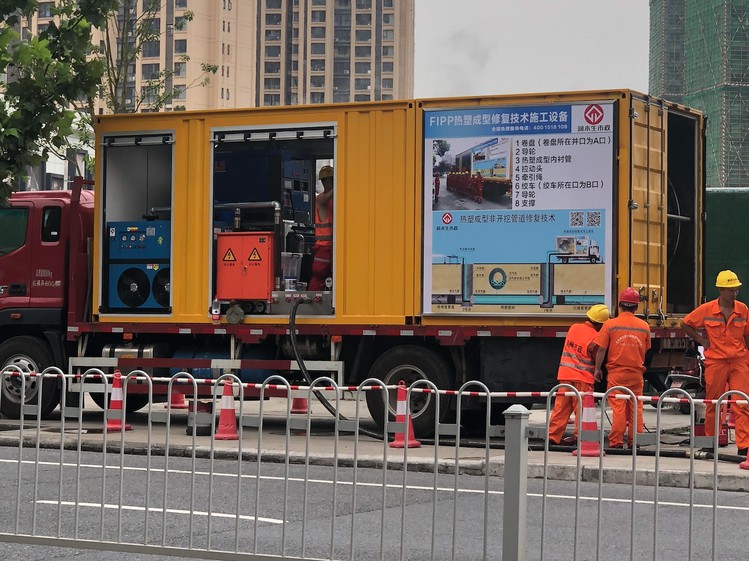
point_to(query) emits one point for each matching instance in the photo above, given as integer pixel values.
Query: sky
(479, 47)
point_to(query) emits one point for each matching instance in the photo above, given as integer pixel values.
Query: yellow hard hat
(727, 279)
(598, 313)
(325, 171)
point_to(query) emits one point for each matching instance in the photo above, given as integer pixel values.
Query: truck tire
(410, 363)
(135, 402)
(30, 354)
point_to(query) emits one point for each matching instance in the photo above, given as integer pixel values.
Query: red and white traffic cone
(401, 412)
(588, 448)
(299, 406)
(227, 419)
(115, 404)
(176, 401)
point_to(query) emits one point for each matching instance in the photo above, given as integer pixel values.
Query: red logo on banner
(593, 114)
(447, 218)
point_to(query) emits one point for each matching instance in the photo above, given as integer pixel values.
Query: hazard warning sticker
(229, 255)
(254, 256)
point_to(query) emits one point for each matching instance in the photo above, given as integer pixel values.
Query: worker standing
(623, 341)
(726, 328)
(576, 368)
(436, 186)
(322, 251)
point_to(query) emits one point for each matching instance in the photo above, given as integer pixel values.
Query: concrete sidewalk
(673, 470)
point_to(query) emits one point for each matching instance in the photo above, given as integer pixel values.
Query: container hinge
(632, 204)
(633, 114)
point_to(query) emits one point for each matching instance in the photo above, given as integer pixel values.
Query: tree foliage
(56, 75)
(45, 71)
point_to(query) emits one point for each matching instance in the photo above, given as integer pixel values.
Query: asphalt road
(451, 518)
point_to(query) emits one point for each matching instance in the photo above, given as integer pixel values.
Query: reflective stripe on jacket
(324, 230)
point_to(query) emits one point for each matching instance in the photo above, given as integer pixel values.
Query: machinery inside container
(264, 189)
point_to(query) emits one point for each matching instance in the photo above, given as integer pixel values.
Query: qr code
(577, 219)
(593, 219)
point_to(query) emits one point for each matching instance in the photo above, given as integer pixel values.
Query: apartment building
(270, 52)
(323, 51)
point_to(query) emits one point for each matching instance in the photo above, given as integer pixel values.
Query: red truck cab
(43, 285)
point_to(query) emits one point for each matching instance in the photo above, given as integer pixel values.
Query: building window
(361, 97)
(317, 65)
(272, 99)
(180, 69)
(45, 9)
(151, 5)
(150, 71)
(387, 67)
(272, 83)
(180, 23)
(223, 26)
(342, 51)
(318, 2)
(317, 48)
(387, 97)
(272, 67)
(295, 49)
(363, 4)
(273, 4)
(228, 71)
(151, 49)
(228, 50)
(387, 83)
(228, 94)
(317, 97)
(222, 93)
(318, 16)
(364, 19)
(363, 35)
(388, 34)
(293, 82)
(149, 94)
(363, 52)
(362, 68)
(295, 33)
(342, 3)
(272, 19)
(180, 92)
(388, 51)
(180, 46)
(42, 27)
(293, 99)
(152, 26)
(318, 33)
(317, 81)
(388, 19)
(361, 83)
(180, 4)
(387, 3)
(272, 34)
(294, 65)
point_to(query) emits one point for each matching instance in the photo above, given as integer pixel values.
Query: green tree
(126, 35)
(48, 102)
(44, 73)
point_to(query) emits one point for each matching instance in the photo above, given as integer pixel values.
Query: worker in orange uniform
(322, 251)
(576, 369)
(436, 186)
(624, 340)
(726, 328)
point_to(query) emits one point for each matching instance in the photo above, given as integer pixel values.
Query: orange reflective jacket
(324, 230)
(576, 363)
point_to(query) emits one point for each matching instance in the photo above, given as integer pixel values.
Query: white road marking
(161, 511)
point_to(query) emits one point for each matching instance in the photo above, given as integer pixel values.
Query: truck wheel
(410, 363)
(30, 354)
(135, 402)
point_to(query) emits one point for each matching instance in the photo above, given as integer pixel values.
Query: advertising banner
(518, 209)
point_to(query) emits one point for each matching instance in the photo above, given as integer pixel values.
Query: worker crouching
(576, 368)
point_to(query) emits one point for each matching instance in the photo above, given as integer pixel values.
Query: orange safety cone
(588, 448)
(176, 401)
(299, 406)
(115, 404)
(227, 419)
(401, 413)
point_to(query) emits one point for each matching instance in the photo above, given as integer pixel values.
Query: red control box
(244, 268)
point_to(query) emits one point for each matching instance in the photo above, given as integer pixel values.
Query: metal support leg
(516, 483)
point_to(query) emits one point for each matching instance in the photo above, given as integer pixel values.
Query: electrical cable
(303, 368)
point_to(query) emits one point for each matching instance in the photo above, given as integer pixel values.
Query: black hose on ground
(303, 368)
